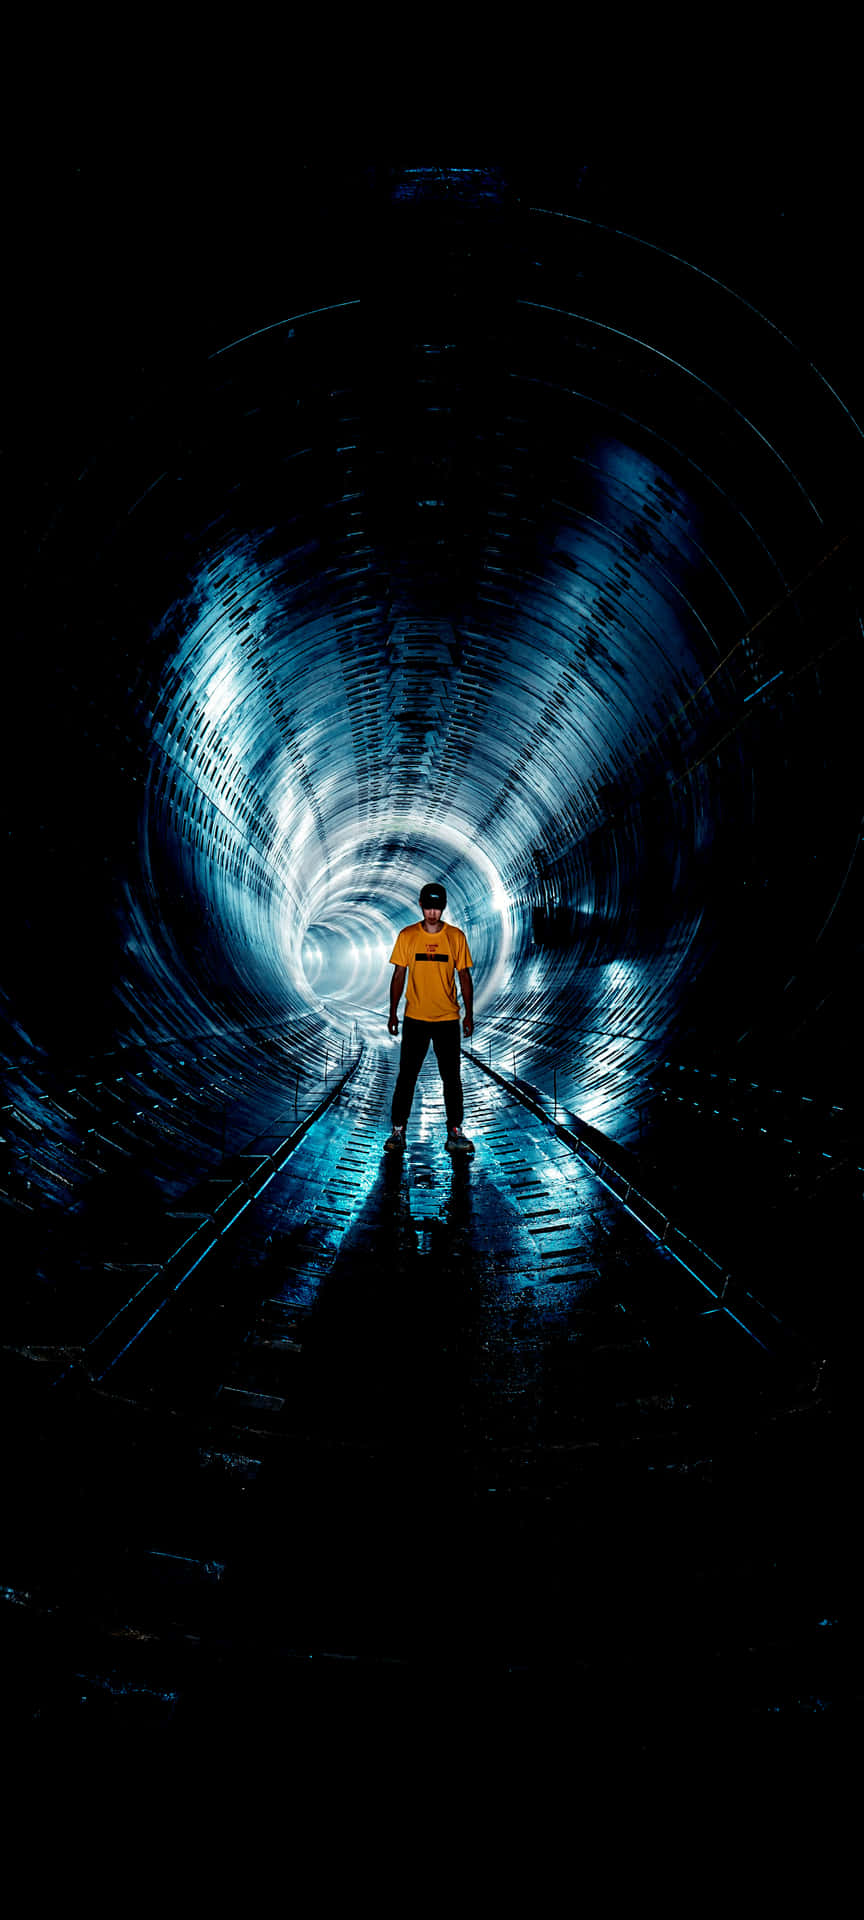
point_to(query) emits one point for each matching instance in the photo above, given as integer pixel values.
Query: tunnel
(371, 525)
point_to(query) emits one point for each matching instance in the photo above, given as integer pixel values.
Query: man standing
(431, 953)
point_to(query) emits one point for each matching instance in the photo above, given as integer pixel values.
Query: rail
(98, 1355)
(610, 1167)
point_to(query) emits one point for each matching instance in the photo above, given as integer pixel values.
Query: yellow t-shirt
(433, 960)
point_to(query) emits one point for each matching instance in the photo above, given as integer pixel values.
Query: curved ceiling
(480, 528)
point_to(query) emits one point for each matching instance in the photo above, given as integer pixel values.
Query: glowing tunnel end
(337, 952)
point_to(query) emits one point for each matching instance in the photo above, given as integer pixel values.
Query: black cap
(434, 895)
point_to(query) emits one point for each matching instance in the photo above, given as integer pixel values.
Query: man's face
(431, 917)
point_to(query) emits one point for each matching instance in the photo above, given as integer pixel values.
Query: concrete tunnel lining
(511, 538)
(496, 602)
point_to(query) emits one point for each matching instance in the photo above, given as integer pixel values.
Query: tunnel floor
(421, 1422)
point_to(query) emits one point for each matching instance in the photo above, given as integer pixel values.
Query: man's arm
(396, 985)
(467, 985)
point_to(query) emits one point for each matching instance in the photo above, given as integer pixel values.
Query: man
(431, 953)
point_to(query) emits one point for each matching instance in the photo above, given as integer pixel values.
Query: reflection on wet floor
(424, 1243)
(472, 1290)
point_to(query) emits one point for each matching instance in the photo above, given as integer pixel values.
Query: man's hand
(467, 985)
(396, 985)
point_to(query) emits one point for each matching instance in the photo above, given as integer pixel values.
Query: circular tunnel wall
(499, 540)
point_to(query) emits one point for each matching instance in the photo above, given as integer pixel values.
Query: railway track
(405, 1416)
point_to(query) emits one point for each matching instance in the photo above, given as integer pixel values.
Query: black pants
(445, 1038)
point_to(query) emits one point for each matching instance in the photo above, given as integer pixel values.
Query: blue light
(765, 683)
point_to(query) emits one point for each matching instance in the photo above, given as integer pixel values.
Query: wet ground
(451, 1422)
